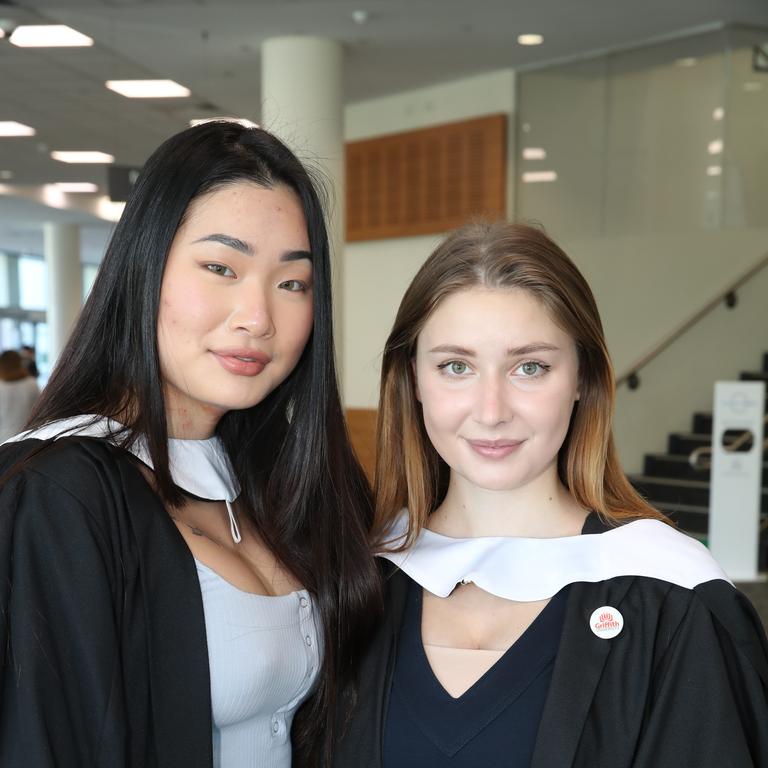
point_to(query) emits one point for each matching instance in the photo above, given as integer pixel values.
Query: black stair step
(754, 376)
(682, 443)
(694, 520)
(678, 466)
(693, 492)
(689, 518)
(702, 423)
(672, 465)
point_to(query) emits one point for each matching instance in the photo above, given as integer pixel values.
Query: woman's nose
(491, 405)
(253, 315)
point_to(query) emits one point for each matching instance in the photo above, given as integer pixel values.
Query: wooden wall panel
(361, 423)
(426, 181)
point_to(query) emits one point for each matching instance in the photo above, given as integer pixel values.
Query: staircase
(679, 490)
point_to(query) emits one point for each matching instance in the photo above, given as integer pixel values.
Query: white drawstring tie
(233, 527)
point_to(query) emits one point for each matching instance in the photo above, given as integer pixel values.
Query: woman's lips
(494, 449)
(242, 362)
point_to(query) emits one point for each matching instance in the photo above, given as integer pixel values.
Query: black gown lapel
(178, 653)
(362, 720)
(579, 665)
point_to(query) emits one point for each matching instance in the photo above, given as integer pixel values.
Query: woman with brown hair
(18, 393)
(539, 612)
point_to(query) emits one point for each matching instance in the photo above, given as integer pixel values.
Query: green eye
(457, 367)
(530, 369)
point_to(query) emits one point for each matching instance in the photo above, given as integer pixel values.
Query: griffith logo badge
(606, 622)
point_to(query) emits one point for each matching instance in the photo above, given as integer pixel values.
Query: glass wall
(650, 167)
(23, 299)
(661, 138)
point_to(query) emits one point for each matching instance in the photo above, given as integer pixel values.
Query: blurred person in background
(29, 356)
(18, 393)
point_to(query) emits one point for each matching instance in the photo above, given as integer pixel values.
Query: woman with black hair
(183, 527)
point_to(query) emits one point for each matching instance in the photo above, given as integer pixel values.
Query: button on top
(606, 622)
(308, 640)
(275, 726)
(303, 602)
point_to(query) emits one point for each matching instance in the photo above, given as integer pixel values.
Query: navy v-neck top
(493, 724)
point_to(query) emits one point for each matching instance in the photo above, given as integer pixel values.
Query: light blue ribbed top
(264, 656)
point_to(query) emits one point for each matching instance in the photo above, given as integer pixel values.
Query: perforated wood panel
(426, 181)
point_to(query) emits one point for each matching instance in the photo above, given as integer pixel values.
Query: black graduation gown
(101, 616)
(684, 685)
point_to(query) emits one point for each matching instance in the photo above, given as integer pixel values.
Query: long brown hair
(409, 471)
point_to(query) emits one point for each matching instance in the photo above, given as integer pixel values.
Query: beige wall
(458, 100)
(376, 273)
(680, 381)
(647, 286)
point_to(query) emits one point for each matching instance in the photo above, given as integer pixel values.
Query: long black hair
(301, 483)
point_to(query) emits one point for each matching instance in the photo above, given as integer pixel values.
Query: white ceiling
(212, 47)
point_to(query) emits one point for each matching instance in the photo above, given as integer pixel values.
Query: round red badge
(606, 622)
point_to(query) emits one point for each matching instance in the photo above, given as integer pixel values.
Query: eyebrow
(244, 247)
(527, 349)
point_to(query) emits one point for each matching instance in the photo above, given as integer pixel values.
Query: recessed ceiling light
(714, 170)
(148, 89)
(54, 197)
(82, 157)
(534, 153)
(715, 147)
(6, 175)
(530, 39)
(108, 209)
(241, 121)
(718, 113)
(753, 86)
(77, 186)
(48, 36)
(360, 16)
(530, 177)
(688, 61)
(12, 128)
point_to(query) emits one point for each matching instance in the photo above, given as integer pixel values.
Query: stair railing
(631, 377)
(698, 459)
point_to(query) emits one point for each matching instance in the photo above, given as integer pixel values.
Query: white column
(61, 243)
(302, 104)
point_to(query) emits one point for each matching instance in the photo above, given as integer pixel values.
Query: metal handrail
(728, 295)
(706, 450)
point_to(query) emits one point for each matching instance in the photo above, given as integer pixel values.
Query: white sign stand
(734, 502)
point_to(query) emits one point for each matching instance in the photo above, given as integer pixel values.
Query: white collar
(200, 467)
(536, 569)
